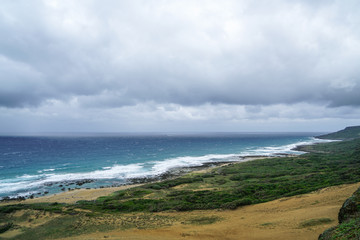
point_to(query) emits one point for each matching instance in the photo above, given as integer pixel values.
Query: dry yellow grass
(280, 219)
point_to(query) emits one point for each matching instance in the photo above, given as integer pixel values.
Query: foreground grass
(35, 224)
(226, 187)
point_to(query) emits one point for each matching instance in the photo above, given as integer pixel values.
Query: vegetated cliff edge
(347, 133)
(349, 221)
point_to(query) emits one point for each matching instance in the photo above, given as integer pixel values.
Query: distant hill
(347, 133)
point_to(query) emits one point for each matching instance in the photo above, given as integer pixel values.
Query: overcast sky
(158, 65)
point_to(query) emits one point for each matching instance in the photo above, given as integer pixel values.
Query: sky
(179, 65)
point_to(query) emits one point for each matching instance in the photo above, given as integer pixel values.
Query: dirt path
(280, 219)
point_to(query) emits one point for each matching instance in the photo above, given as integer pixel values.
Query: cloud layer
(189, 54)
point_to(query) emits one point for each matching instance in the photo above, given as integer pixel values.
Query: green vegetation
(35, 224)
(268, 224)
(347, 133)
(59, 227)
(203, 220)
(348, 230)
(50, 207)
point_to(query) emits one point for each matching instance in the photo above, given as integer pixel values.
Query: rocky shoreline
(66, 186)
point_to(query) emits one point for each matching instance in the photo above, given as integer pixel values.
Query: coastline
(55, 179)
(74, 195)
(49, 180)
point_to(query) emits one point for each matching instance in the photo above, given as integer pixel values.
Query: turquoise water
(32, 165)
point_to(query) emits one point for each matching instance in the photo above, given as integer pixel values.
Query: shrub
(5, 227)
(237, 203)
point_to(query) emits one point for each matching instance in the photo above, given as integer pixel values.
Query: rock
(21, 198)
(348, 210)
(82, 182)
(327, 235)
(6, 198)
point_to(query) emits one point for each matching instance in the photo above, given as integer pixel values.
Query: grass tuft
(203, 220)
(315, 222)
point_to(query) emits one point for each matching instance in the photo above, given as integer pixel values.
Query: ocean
(34, 165)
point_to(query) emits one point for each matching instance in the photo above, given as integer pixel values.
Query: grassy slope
(347, 133)
(227, 187)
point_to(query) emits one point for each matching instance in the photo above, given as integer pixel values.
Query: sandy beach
(74, 195)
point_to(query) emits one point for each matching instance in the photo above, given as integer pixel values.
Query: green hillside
(347, 133)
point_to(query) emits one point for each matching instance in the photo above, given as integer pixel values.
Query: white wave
(22, 182)
(117, 171)
(27, 177)
(273, 150)
(11, 153)
(13, 187)
(46, 170)
(22, 194)
(34, 181)
(188, 161)
(114, 172)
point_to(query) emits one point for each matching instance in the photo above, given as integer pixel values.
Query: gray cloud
(188, 53)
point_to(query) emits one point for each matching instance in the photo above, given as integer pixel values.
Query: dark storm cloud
(118, 53)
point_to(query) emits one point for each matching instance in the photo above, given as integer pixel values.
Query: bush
(237, 203)
(5, 227)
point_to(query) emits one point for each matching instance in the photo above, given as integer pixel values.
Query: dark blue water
(33, 164)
